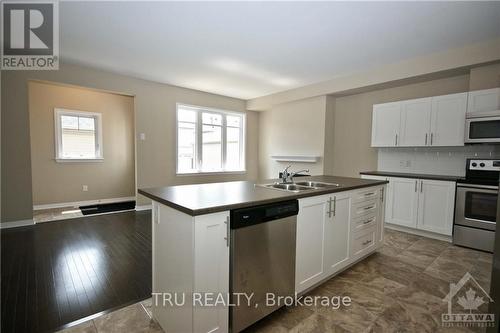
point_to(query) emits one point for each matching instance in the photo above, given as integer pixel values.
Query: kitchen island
(336, 226)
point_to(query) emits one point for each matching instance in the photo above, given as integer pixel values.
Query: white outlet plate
(85, 188)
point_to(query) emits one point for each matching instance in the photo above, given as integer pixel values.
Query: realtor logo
(467, 305)
(30, 35)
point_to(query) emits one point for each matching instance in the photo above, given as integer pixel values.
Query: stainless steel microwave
(484, 129)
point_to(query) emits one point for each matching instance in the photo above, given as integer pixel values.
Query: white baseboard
(82, 203)
(417, 232)
(15, 224)
(143, 207)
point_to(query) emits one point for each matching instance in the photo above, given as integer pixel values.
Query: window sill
(214, 173)
(76, 160)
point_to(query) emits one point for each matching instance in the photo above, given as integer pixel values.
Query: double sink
(299, 186)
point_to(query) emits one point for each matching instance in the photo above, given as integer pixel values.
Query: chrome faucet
(296, 173)
(287, 177)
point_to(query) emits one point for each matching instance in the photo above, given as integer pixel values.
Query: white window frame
(58, 112)
(199, 145)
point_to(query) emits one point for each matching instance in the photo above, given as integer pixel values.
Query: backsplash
(435, 160)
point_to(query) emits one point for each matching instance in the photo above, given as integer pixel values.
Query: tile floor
(398, 289)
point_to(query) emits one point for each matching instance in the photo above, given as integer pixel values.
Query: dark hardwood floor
(58, 272)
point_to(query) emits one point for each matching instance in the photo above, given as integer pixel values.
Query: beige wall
(113, 177)
(296, 128)
(353, 121)
(485, 77)
(155, 116)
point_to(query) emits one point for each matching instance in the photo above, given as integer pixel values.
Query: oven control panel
(484, 165)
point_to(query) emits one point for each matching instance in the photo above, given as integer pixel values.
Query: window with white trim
(209, 140)
(78, 135)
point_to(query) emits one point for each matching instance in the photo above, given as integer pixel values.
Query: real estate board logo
(467, 305)
(30, 35)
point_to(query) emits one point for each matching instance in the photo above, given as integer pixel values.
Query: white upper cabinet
(436, 202)
(432, 121)
(481, 102)
(386, 120)
(448, 120)
(415, 122)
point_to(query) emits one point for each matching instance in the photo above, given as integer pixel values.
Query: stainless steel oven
(483, 129)
(475, 216)
(476, 205)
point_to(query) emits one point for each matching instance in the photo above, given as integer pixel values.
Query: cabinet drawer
(365, 195)
(363, 242)
(364, 222)
(364, 208)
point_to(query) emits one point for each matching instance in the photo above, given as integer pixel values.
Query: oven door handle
(476, 220)
(485, 187)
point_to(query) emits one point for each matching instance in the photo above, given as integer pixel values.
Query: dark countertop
(412, 175)
(216, 197)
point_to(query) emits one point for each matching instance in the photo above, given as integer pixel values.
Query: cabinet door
(435, 206)
(481, 101)
(386, 119)
(448, 120)
(211, 269)
(415, 122)
(337, 233)
(309, 268)
(403, 201)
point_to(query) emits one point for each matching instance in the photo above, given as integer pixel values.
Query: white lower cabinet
(190, 254)
(436, 203)
(402, 202)
(309, 264)
(329, 232)
(337, 232)
(211, 270)
(421, 204)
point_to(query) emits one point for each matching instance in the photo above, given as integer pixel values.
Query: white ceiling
(251, 49)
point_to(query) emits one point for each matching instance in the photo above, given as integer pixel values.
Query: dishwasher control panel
(259, 214)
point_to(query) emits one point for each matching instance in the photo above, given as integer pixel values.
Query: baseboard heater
(107, 208)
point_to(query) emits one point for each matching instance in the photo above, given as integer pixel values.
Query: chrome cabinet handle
(228, 230)
(330, 207)
(369, 194)
(426, 139)
(382, 194)
(366, 243)
(334, 206)
(396, 139)
(432, 138)
(416, 185)
(421, 186)
(369, 207)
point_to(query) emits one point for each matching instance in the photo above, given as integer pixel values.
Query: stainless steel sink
(290, 187)
(287, 187)
(316, 184)
(299, 186)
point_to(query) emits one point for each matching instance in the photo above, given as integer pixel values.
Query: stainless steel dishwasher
(262, 259)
